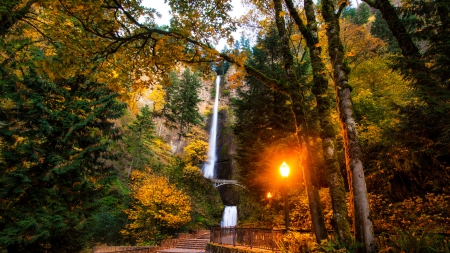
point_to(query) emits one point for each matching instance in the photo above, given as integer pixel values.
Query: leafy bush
(300, 242)
(416, 240)
(432, 210)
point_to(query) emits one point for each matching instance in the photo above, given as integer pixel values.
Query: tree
(158, 207)
(264, 113)
(181, 101)
(353, 154)
(380, 29)
(56, 138)
(139, 139)
(362, 14)
(421, 29)
(428, 65)
(327, 132)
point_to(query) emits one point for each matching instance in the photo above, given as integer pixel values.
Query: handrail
(220, 182)
(248, 237)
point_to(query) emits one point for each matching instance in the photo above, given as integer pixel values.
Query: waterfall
(208, 169)
(229, 218)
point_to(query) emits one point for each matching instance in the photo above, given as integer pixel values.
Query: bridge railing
(249, 237)
(269, 238)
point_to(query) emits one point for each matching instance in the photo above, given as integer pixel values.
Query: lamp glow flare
(284, 169)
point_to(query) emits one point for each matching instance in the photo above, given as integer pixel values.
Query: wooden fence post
(272, 241)
(251, 238)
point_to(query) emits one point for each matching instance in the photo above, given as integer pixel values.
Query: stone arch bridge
(220, 182)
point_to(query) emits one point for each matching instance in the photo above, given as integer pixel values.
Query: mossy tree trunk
(412, 58)
(353, 153)
(328, 135)
(297, 108)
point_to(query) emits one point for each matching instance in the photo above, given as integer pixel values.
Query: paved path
(175, 250)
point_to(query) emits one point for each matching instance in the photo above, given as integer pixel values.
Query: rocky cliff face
(170, 135)
(226, 147)
(225, 166)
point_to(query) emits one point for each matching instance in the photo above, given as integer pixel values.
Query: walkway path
(189, 245)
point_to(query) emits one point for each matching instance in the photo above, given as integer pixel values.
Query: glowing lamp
(284, 169)
(269, 195)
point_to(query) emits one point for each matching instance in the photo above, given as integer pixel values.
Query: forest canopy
(355, 98)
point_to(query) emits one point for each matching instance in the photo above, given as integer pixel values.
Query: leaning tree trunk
(308, 166)
(327, 134)
(353, 153)
(410, 52)
(297, 107)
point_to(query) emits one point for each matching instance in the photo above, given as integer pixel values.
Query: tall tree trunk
(353, 153)
(327, 133)
(410, 52)
(297, 107)
(409, 49)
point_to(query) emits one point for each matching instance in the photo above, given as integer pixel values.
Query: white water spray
(208, 169)
(229, 218)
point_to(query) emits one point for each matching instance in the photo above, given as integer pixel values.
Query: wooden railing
(268, 238)
(248, 237)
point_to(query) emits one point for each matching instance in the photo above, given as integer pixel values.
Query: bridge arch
(220, 182)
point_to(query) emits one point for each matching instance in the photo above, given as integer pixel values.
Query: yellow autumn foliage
(196, 151)
(157, 96)
(157, 205)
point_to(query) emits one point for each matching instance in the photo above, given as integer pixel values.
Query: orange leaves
(236, 79)
(157, 204)
(359, 43)
(418, 212)
(296, 37)
(351, 54)
(282, 13)
(346, 2)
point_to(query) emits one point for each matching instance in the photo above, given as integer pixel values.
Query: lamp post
(284, 171)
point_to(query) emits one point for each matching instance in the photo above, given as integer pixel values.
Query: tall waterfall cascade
(208, 169)
(229, 217)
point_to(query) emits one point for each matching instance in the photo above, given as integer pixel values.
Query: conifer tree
(181, 101)
(55, 136)
(380, 29)
(139, 140)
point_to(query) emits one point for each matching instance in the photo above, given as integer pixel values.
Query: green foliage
(416, 240)
(182, 98)
(264, 120)
(380, 29)
(139, 140)
(362, 14)
(243, 44)
(107, 222)
(358, 16)
(206, 204)
(256, 213)
(56, 135)
(424, 127)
